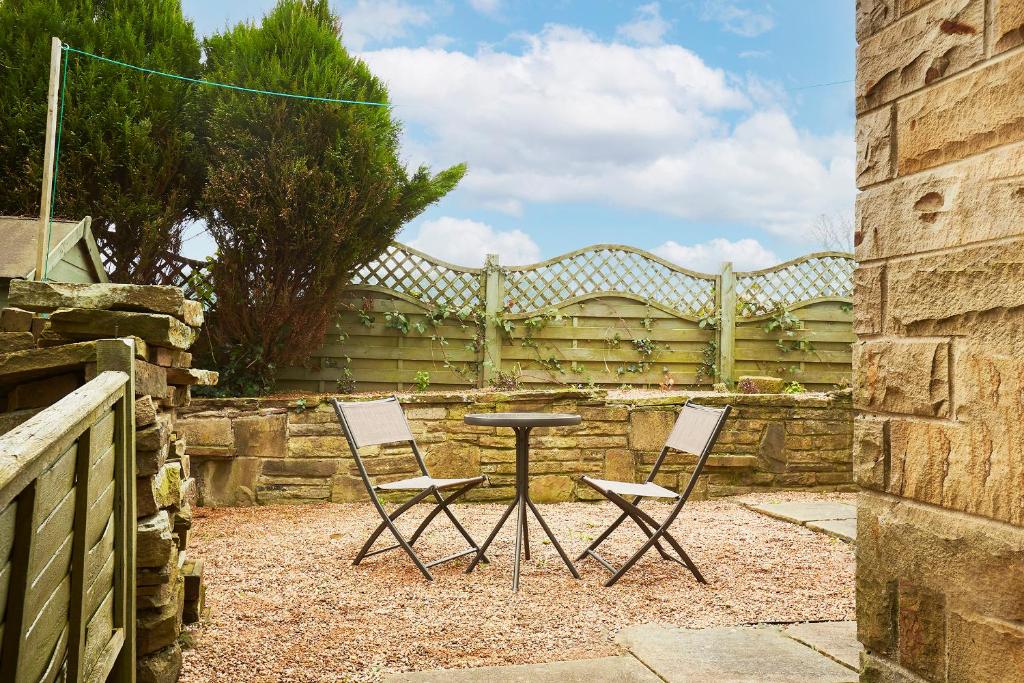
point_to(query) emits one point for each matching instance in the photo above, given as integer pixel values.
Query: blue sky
(698, 129)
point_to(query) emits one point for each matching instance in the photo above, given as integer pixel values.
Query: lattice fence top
(407, 271)
(609, 269)
(192, 276)
(827, 275)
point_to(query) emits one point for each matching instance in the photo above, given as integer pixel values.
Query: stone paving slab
(836, 639)
(624, 669)
(843, 529)
(754, 654)
(801, 512)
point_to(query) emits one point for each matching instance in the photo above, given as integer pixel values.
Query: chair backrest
(696, 430)
(369, 423)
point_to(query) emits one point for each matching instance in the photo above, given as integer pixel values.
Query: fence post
(494, 287)
(726, 324)
(119, 355)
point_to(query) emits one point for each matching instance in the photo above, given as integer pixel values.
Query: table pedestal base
(520, 504)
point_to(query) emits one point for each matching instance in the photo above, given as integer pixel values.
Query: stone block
(193, 610)
(451, 460)
(959, 117)
(348, 489)
(148, 463)
(162, 666)
(751, 384)
(154, 543)
(875, 147)
(158, 330)
(318, 447)
(648, 429)
(226, 483)
(215, 431)
(551, 488)
(979, 648)
(868, 292)
(193, 573)
(43, 392)
(921, 629)
(943, 39)
(293, 494)
(261, 436)
(170, 358)
(50, 296)
(974, 200)
(902, 377)
(160, 491)
(154, 437)
(159, 628)
(926, 294)
(619, 465)
(21, 366)
(191, 376)
(300, 467)
(178, 397)
(150, 380)
(873, 16)
(16, 341)
(870, 453)
(15, 320)
(1006, 25)
(145, 411)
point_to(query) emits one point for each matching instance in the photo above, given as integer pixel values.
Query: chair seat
(420, 483)
(622, 488)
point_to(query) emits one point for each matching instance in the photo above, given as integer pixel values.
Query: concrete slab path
(835, 639)
(835, 519)
(753, 654)
(624, 669)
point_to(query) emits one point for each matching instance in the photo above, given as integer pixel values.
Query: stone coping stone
(835, 639)
(312, 401)
(20, 366)
(602, 670)
(843, 529)
(801, 512)
(735, 654)
(49, 296)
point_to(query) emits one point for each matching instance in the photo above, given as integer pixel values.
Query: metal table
(522, 423)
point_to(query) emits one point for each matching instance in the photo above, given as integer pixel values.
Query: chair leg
(658, 533)
(604, 535)
(632, 511)
(384, 525)
(674, 543)
(442, 506)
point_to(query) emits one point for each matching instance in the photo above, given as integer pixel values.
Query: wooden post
(494, 286)
(727, 325)
(119, 355)
(48, 153)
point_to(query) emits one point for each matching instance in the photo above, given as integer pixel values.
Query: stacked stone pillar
(49, 333)
(939, 365)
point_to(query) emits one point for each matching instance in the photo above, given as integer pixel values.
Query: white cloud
(708, 257)
(648, 27)
(467, 242)
(569, 118)
(491, 7)
(379, 22)
(755, 54)
(736, 19)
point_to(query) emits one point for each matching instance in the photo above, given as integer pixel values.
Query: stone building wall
(939, 366)
(247, 451)
(47, 350)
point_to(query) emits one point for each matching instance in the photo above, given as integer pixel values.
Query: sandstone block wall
(939, 365)
(47, 350)
(247, 451)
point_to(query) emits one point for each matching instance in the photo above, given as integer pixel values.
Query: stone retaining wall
(247, 451)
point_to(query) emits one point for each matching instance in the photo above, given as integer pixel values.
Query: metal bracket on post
(490, 352)
(726, 324)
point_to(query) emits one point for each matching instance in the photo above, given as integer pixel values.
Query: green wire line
(56, 164)
(227, 86)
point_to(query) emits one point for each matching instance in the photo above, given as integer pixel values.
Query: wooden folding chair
(370, 423)
(696, 430)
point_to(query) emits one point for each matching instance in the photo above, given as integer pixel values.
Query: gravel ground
(286, 604)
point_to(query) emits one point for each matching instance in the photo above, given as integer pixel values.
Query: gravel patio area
(286, 604)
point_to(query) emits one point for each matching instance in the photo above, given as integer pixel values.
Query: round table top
(522, 419)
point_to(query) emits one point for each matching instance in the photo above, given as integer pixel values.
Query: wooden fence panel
(61, 473)
(555, 322)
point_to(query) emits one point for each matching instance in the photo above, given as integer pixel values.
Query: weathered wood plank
(80, 550)
(31, 447)
(44, 635)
